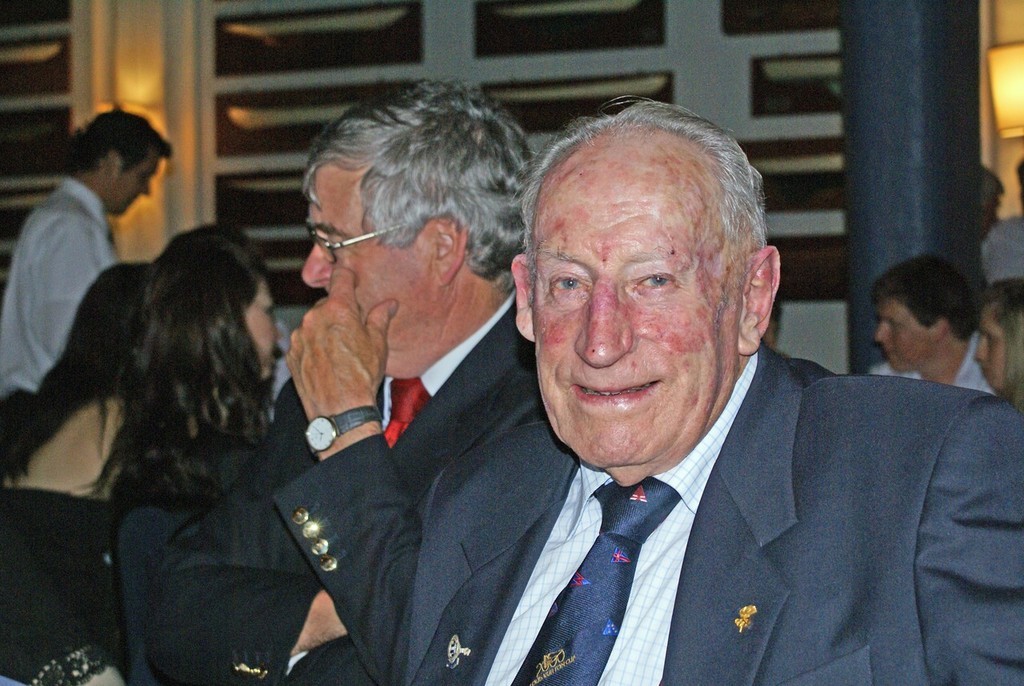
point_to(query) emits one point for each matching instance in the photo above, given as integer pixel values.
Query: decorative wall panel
(547, 106)
(18, 12)
(15, 204)
(284, 257)
(271, 209)
(31, 67)
(294, 41)
(34, 141)
(794, 85)
(762, 16)
(282, 121)
(813, 267)
(33, 148)
(258, 126)
(804, 174)
(523, 27)
(35, 112)
(261, 199)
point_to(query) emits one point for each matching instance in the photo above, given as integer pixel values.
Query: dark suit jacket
(236, 590)
(877, 524)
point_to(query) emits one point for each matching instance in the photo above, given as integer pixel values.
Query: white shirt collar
(438, 373)
(86, 196)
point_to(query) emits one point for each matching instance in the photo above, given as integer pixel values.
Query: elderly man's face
(638, 313)
(382, 272)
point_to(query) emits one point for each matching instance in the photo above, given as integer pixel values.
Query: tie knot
(635, 511)
(408, 396)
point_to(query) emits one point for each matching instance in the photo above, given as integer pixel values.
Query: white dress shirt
(638, 657)
(439, 372)
(62, 248)
(968, 376)
(1002, 251)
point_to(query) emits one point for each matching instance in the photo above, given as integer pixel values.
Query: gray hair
(434, 150)
(742, 200)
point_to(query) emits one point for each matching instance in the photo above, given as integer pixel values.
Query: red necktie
(408, 396)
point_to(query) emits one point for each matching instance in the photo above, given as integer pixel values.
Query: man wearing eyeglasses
(411, 203)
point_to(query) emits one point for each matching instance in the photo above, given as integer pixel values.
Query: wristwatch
(322, 431)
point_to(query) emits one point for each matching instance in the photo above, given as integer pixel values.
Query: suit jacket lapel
(470, 580)
(717, 636)
(459, 410)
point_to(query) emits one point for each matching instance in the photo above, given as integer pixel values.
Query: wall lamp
(1006, 72)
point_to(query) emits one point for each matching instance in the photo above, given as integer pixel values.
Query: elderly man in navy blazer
(698, 510)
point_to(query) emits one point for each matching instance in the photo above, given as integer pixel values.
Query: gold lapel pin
(456, 651)
(744, 620)
(259, 671)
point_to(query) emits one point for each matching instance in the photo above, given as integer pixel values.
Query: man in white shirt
(66, 242)
(927, 324)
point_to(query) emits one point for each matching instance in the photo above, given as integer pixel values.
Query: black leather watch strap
(357, 416)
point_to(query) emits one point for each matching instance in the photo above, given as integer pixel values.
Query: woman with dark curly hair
(196, 397)
(1001, 342)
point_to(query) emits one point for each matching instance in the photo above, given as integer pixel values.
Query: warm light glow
(1006, 70)
(127, 106)
(140, 86)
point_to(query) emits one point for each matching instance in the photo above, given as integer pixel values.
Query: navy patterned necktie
(577, 637)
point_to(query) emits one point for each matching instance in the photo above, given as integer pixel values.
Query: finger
(295, 343)
(378, 321)
(293, 358)
(342, 285)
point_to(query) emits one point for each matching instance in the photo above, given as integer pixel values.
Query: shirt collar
(963, 374)
(690, 476)
(438, 373)
(86, 196)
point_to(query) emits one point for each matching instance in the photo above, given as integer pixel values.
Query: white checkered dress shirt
(638, 657)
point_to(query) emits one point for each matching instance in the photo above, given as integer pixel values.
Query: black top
(148, 522)
(57, 580)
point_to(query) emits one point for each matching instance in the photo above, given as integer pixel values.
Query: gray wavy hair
(432, 150)
(741, 216)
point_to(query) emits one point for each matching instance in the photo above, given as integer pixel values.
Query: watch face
(320, 433)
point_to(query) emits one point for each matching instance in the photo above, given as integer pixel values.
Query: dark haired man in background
(66, 242)
(926, 323)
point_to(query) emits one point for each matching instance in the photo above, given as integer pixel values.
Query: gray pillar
(910, 89)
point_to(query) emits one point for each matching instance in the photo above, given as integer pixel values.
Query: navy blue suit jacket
(877, 524)
(235, 590)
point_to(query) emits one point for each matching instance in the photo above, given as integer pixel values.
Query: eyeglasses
(317, 232)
